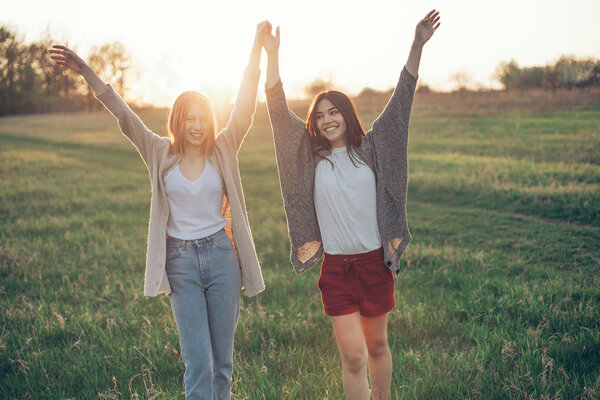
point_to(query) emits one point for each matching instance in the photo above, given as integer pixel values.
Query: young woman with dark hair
(200, 249)
(344, 195)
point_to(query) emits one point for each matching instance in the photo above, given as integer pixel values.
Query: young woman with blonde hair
(200, 249)
(344, 194)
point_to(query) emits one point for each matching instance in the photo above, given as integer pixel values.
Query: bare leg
(349, 336)
(380, 357)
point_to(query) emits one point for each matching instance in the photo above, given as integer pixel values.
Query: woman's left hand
(427, 26)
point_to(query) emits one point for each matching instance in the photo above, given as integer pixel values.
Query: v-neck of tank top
(206, 163)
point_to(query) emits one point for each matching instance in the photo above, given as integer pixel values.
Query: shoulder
(162, 147)
(164, 143)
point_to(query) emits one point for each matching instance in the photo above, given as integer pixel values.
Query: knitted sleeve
(389, 135)
(131, 125)
(292, 147)
(296, 176)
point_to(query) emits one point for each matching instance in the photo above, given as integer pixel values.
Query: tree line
(566, 72)
(30, 82)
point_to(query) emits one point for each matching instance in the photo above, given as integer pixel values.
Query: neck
(192, 153)
(339, 143)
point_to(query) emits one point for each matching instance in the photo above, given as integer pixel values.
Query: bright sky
(181, 45)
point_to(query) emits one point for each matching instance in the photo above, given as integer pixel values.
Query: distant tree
(567, 72)
(532, 77)
(423, 88)
(11, 52)
(368, 95)
(593, 79)
(317, 86)
(30, 82)
(113, 63)
(507, 74)
(462, 79)
(570, 71)
(66, 84)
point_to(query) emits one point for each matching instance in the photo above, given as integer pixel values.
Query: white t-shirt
(195, 206)
(345, 201)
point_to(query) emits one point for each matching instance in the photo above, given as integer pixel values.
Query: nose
(197, 124)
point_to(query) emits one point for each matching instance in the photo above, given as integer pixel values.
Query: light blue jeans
(206, 281)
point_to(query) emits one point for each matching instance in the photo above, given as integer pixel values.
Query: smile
(330, 128)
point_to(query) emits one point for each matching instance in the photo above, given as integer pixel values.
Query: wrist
(418, 42)
(87, 71)
(258, 41)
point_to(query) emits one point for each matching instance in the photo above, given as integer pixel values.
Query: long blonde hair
(176, 122)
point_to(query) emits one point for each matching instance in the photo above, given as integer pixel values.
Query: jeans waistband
(208, 238)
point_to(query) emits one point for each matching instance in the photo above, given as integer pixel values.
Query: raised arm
(292, 146)
(285, 123)
(271, 44)
(388, 138)
(423, 32)
(397, 112)
(243, 110)
(130, 124)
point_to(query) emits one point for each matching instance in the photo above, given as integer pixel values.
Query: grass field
(498, 296)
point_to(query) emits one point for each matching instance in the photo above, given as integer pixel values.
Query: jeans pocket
(174, 250)
(223, 242)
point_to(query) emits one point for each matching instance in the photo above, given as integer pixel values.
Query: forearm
(254, 62)
(414, 58)
(97, 84)
(273, 70)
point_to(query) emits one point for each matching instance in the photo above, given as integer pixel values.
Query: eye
(334, 112)
(319, 116)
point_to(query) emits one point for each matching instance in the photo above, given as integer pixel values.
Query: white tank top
(195, 206)
(345, 201)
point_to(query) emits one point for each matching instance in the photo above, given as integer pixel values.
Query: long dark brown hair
(354, 129)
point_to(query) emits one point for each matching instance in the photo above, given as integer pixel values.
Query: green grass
(498, 295)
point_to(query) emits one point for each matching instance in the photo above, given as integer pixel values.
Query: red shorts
(356, 282)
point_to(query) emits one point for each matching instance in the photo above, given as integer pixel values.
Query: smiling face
(195, 125)
(330, 123)
(192, 125)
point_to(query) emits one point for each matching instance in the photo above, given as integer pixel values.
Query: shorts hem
(340, 313)
(379, 313)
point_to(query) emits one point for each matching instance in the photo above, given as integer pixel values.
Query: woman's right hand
(68, 58)
(271, 43)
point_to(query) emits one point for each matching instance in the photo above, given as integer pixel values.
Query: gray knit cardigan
(384, 150)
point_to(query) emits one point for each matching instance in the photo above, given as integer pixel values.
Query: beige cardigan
(154, 150)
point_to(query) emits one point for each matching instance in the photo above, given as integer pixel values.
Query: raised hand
(427, 26)
(271, 43)
(63, 56)
(262, 30)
